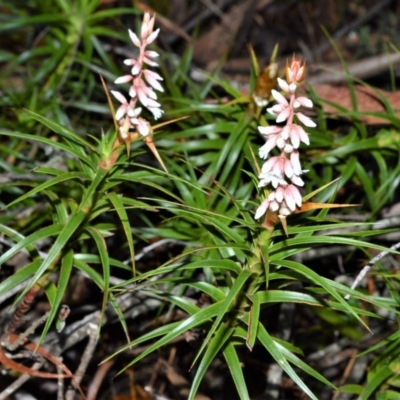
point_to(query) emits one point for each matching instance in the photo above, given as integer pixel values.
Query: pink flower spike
(134, 38)
(281, 100)
(123, 79)
(306, 120)
(283, 84)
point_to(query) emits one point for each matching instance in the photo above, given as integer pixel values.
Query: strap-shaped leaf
(221, 336)
(226, 305)
(279, 357)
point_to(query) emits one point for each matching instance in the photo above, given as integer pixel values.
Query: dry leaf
(368, 101)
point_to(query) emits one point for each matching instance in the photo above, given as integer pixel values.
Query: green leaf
(65, 273)
(235, 367)
(254, 319)
(279, 357)
(377, 379)
(221, 336)
(123, 216)
(230, 298)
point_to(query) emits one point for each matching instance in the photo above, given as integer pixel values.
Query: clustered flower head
(143, 82)
(284, 171)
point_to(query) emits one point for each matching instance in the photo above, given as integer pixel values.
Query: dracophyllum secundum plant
(93, 170)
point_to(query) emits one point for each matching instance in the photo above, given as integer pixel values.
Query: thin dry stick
(365, 270)
(86, 357)
(30, 331)
(60, 385)
(5, 394)
(346, 373)
(98, 379)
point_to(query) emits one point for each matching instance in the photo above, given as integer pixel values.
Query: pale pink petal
(297, 180)
(300, 133)
(288, 168)
(123, 79)
(295, 160)
(304, 101)
(119, 96)
(134, 112)
(134, 38)
(143, 127)
(280, 143)
(274, 206)
(294, 137)
(149, 62)
(262, 209)
(136, 69)
(288, 148)
(268, 146)
(132, 91)
(292, 87)
(306, 120)
(284, 211)
(268, 130)
(152, 37)
(156, 111)
(283, 84)
(286, 132)
(153, 103)
(295, 193)
(152, 78)
(130, 61)
(269, 165)
(279, 192)
(284, 115)
(142, 96)
(279, 98)
(289, 200)
(151, 54)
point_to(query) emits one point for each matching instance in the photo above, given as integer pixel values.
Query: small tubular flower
(283, 172)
